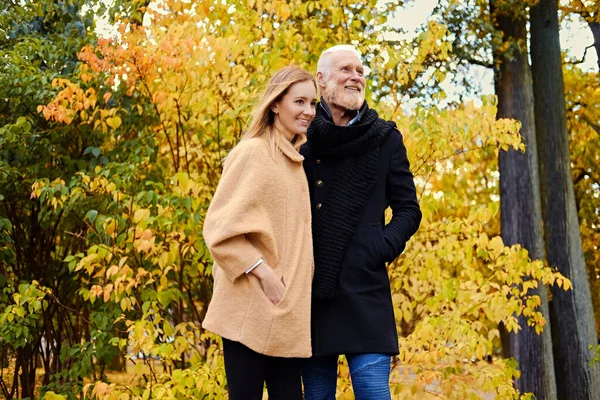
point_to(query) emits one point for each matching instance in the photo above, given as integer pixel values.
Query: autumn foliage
(153, 111)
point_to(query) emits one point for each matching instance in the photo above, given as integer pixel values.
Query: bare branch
(582, 58)
(461, 54)
(591, 123)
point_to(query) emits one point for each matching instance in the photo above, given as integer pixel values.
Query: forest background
(111, 148)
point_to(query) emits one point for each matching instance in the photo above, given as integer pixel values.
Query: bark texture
(521, 216)
(595, 28)
(575, 327)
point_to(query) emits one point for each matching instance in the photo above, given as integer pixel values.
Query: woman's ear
(275, 109)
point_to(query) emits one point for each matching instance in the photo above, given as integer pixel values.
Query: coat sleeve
(239, 211)
(402, 197)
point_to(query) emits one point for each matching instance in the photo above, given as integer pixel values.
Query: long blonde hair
(263, 118)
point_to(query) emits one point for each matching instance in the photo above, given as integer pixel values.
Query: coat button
(319, 183)
(319, 205)
(318, 161)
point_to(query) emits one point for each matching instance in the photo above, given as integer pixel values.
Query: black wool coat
(360, 317)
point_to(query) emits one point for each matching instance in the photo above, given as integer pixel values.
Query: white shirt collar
(355, 119)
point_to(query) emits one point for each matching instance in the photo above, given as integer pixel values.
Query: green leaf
(54, 396)
(94, 150)
(91, 215)
(164, 298)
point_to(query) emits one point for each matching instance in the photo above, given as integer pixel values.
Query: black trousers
(247, 371)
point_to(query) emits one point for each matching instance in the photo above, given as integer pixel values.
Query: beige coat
(261, 208)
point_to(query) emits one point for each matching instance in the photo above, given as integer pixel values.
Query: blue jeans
(370, 375)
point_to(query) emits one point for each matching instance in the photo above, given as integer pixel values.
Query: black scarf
(356, 150)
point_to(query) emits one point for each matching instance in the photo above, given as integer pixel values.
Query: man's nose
(357, 77)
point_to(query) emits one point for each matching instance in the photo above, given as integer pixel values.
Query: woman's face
(296, 109)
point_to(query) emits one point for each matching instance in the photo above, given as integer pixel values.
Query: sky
(575, 35)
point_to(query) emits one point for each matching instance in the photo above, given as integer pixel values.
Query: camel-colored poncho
(261, 208)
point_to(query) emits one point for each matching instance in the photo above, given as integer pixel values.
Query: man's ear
(321, 79)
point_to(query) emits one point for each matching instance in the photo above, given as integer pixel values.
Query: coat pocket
(379, 241)
(261, 296)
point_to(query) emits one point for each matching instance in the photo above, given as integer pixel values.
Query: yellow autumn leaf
(112, 270)
(107, 292)
(110, 226)
(125, 304)
(114, 122)
(141, 215)
(144, 246)
(267, 29)
(496, 245)
(407, 315)
(163, 260)
(285, 11)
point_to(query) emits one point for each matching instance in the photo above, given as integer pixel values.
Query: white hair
(323, 64)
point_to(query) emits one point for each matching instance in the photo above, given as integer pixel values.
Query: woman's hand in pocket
(271, 285)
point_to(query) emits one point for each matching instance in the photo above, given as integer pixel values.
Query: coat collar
(324, 109)
(289, 149)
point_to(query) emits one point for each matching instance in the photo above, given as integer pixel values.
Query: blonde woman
(258, 230)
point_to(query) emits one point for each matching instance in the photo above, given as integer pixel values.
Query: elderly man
(356, 166)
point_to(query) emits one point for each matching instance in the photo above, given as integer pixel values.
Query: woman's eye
(313, 104)
(300, 101)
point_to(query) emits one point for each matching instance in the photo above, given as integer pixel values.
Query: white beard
(335, 94)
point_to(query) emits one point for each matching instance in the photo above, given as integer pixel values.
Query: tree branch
(462, 55)
(582, 58)
(583, 11)
(475, 61)
(591, 123)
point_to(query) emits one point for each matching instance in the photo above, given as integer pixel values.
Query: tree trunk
(575, 330)
(595, 28)
(27, 376)
(521, 215)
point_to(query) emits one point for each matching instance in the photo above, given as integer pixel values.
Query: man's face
(344, 83)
